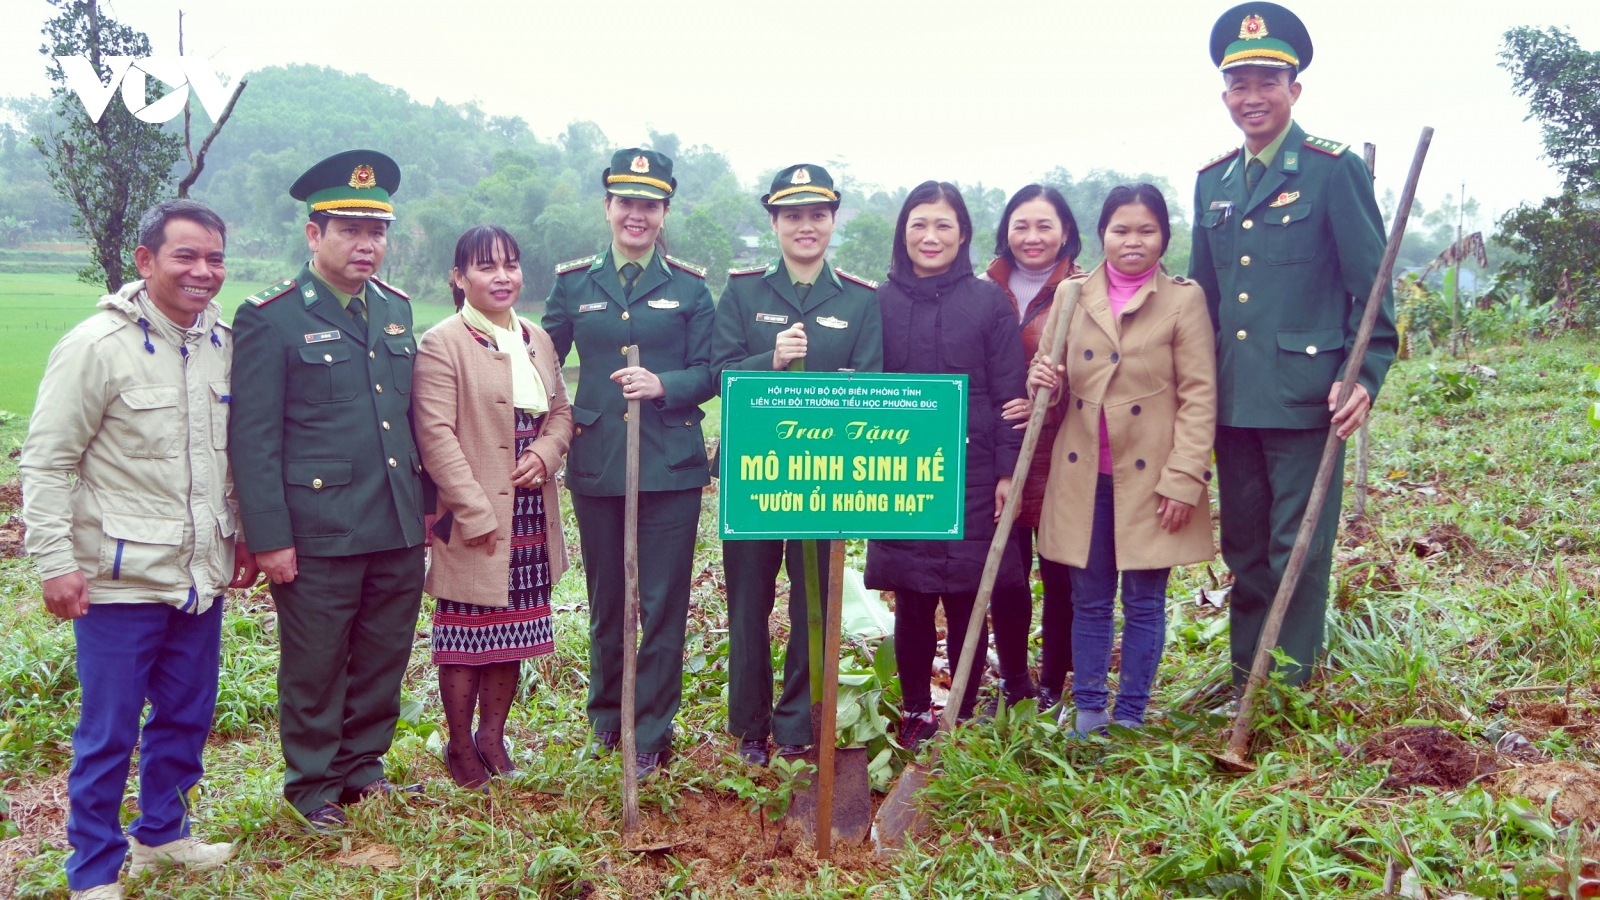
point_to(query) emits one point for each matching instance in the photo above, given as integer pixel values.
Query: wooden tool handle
(1060, 320)
(630, 614)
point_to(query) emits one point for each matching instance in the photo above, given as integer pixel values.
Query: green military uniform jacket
(844, 329)
(320, 432)
(670, 318)
(1287, 269)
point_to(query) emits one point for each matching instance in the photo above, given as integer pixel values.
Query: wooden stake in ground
(828, 737)
(898, 813)
(630, 616)
(1233, 759)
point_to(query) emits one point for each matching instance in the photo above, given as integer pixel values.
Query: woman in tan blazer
(1134, 447)
(493, 424)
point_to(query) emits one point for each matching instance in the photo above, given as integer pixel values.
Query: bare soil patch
(1428, 756)
(1575, 787)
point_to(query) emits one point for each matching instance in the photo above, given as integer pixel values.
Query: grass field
(1465, 610)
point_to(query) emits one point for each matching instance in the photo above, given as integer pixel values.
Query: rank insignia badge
(394, 328)
(1286, 198)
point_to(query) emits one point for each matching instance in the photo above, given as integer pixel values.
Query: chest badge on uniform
(831, 322)
(772, 319)
(592, 307)
(662, 304)
(320, 336)
(394, 328)
(1285, 198)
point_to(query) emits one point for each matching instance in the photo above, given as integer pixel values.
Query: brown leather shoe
(378, 787)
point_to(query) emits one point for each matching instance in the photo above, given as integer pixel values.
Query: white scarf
(527, 388)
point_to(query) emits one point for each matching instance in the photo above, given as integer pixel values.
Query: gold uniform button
(386, 426)
(1244, 260)
(578, 430)
(316, 484)
(392, 463)
(624, 351)
(624, 315)
(378, 388)
(1241, 335)
(1285, 220)
(1311, 350)
(624, 417)
(1247, 224)
(327, 357)
(1244, 298)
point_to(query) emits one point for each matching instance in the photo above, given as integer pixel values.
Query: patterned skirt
(465, 634)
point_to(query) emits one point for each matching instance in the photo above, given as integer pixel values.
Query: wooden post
(829, 739)
(1370, 151)
(630, 616)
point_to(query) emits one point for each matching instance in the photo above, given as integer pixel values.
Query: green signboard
(842, 454)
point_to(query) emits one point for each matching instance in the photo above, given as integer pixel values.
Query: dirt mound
(1543, 712)
(11, 494)
(1427, 756)
(1575, 786)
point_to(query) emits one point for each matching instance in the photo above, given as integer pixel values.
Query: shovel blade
(899, 816)
(852, 797)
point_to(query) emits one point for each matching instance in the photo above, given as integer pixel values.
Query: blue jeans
(1144, 613)
(129, 653)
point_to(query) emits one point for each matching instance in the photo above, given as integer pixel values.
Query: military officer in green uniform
(633, 293)
(1287, 242)
(798, 308)
(330, 484)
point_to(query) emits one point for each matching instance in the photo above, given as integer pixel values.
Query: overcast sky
(991, 91)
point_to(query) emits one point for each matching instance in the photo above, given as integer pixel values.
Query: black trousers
(1012, 616)
(916, 639)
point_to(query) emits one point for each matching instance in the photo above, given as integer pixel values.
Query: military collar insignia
(1223, 158)
(640, 164)
(1284, 199)
(394, 328)
(1291, 161)
(1324, 145)
(267, 295)
(310, 293)
(320, 336)
(663, 304)
(831, 322)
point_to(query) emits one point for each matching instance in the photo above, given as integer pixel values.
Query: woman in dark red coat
(1036, 248)
(939, 318)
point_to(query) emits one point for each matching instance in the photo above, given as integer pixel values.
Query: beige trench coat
(1154, 374)
(461, 400)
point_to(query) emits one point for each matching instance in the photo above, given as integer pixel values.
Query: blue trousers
(129, 653)
(1144, 621)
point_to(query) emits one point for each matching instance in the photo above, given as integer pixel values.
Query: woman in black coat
(939, 318)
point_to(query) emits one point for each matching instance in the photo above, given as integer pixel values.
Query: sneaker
(754, 752)
(189, 851)
(111, 891)
(916, 729)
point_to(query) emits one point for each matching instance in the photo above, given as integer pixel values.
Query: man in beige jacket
(129, 508)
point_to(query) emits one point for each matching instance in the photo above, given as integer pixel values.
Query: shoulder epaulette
(749, 270)
(864, 282)
(691, 268)
(1221, 159)
(1326, 146)
(267, 295)
(572, 265)
(391, 288)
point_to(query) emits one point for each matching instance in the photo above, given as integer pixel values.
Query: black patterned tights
(490, 689)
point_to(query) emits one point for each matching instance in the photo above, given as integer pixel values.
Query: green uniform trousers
(1264, 478)
(751, 569)
(668, 521)
(345, 629)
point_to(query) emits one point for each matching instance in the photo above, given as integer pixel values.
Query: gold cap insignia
(1253, 27)
(363, 177)
(394, 328)
(640, 164)
(801, 176)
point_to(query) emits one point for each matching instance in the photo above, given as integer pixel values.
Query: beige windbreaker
(125, 469)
